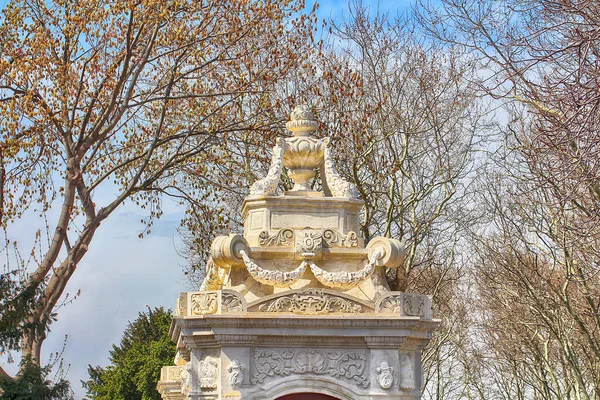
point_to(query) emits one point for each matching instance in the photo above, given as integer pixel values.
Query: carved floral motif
(281, 237)
(205, 303)
(208, 373)
(391, 304)
(231, 302)
(311, 301)
(349, 365)
(174, 373)
(385, 375)
(333, 238)
(309, 242)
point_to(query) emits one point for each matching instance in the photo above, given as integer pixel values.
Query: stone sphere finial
(302, 121)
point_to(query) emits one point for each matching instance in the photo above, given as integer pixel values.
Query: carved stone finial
(302, 121)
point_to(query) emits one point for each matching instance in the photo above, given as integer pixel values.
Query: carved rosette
(205, 303)
(309, 242)
(343, 365)
(312, 302)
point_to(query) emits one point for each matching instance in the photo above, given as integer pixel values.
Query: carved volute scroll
(267, 186)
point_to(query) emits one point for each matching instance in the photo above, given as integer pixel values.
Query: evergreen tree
(31, 384)
(136, 362)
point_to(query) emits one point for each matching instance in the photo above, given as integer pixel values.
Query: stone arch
(306, 396)
(295, 385)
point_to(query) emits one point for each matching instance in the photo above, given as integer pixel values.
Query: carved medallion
(205, 303)
(309, 242)
(341, 365)
(385, 375)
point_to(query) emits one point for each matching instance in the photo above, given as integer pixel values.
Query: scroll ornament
(267, 186)
(336, 184)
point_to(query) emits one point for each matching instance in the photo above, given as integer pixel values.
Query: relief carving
(175, 373)
(186, 378)
(333, 238)
(281, 237)
(231, 302)
(344, 279)
(414, 304)
(205, 303)
(208, 373)
(182, 304)
(349, 366)
(336, 184)
(391, 304)
(309, 242)
(273, 277)
(312, 301)
(385, 375)
(267, 186)
(214, 277)
(407, 371)
(235, 374)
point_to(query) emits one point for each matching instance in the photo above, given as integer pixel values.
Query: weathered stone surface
(298, 303)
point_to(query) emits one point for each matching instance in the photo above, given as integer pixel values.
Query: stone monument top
(298, 302)
(302, 238)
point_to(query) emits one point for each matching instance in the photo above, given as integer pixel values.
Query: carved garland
(345, 279)
(270, 277)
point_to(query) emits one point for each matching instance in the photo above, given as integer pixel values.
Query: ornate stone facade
(299, 302)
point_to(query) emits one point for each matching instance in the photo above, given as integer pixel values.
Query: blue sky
(121, 273)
